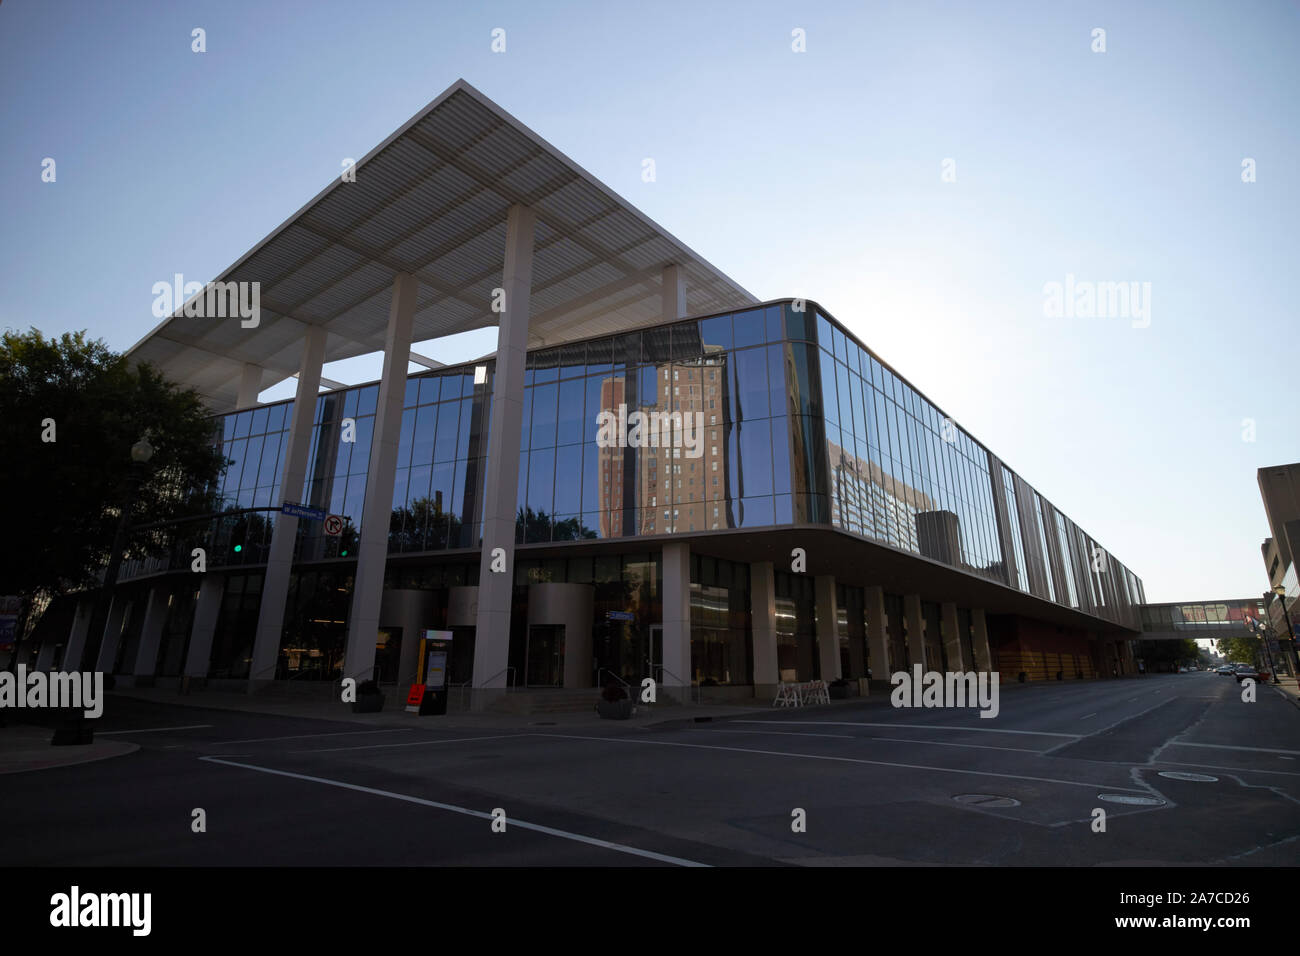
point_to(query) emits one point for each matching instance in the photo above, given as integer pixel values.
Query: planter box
(614, 709)
(368, 704)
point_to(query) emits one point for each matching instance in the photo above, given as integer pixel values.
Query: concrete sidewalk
(394, 714)
(24, 748)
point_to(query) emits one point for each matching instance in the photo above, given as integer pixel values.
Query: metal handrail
(693, 693)
(462, 685)
(503, 670)
(626, 686)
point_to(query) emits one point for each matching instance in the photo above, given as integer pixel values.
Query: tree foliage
(1240, 650)
(64, 496)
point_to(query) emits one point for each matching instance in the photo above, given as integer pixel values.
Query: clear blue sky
(813, 174)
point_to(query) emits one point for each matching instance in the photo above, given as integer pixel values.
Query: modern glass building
(654, 475)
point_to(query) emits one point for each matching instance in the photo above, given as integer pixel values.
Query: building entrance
(544, 656)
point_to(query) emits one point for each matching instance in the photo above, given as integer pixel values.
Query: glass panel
(749, 328)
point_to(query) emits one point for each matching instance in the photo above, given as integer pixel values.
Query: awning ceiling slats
(432, 200)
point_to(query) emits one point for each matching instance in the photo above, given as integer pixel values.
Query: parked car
(1243, 671)
(1224, 669)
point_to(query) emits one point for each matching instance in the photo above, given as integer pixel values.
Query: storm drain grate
(1196, 777)
(986, 800)
(1131, 799)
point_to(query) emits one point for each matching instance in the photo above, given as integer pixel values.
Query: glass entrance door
(544, 661)
(655, 663)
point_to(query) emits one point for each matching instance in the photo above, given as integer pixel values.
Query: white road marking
(778, 733)
(1236, 770)
(480, 814)
(340, 733)
(1086, 716)
(1262, 750)
(153, 730)
(944, 743)
(849, 723)
(413, 743)
(873, 763)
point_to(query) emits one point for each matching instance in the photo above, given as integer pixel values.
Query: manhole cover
(1130, 799)
(986, 800)
(1197, 777)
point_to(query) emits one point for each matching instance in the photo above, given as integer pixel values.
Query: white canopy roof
(431, 200)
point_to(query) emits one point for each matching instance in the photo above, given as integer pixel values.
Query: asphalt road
(878, 786)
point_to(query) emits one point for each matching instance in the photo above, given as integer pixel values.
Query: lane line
(1086, 716)
(341, 733)
(857, 760)
(944, 743)
(778, 733)
(480, 814)
(413, 743)
(153, 730)
(1211, 766)
(1261, 750)
(849, 723)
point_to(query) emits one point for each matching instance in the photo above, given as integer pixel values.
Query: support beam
(424, 360)
(915, 624)
(878, 657)
(45, 656)
(674, 293)
(980, 640)
(206, 612)
(146, 648)
(279, 564)
(330, 384)
(677, 620)
(828, 629)
(117, 612)
(250, 385)
(954, 647)
(497, 562)
(372, 557)
(762, 615)
(76, 645)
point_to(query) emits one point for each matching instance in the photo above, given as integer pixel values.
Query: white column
(279, 563)
(206, 612)
(762, 616)
(155, 616)
(915, 630)
(76, 644)
(496, 588)
(673, 300)
(677, 619)
(877, 639)
(953, 645)
(112, 634)
(250, 384)
(828, 630)
(980, 640)
(372, 556)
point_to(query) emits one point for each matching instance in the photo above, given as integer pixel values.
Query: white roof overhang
(431, 201)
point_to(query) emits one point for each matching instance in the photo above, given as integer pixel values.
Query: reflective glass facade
(766, 417)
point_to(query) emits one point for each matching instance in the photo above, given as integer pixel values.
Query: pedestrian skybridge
(1202, 619)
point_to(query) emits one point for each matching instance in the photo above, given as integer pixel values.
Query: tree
(70, 410)
(1240, 650)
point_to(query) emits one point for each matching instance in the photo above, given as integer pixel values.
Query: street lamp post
(1280, 591)
(141, 452)
(1255, 625)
